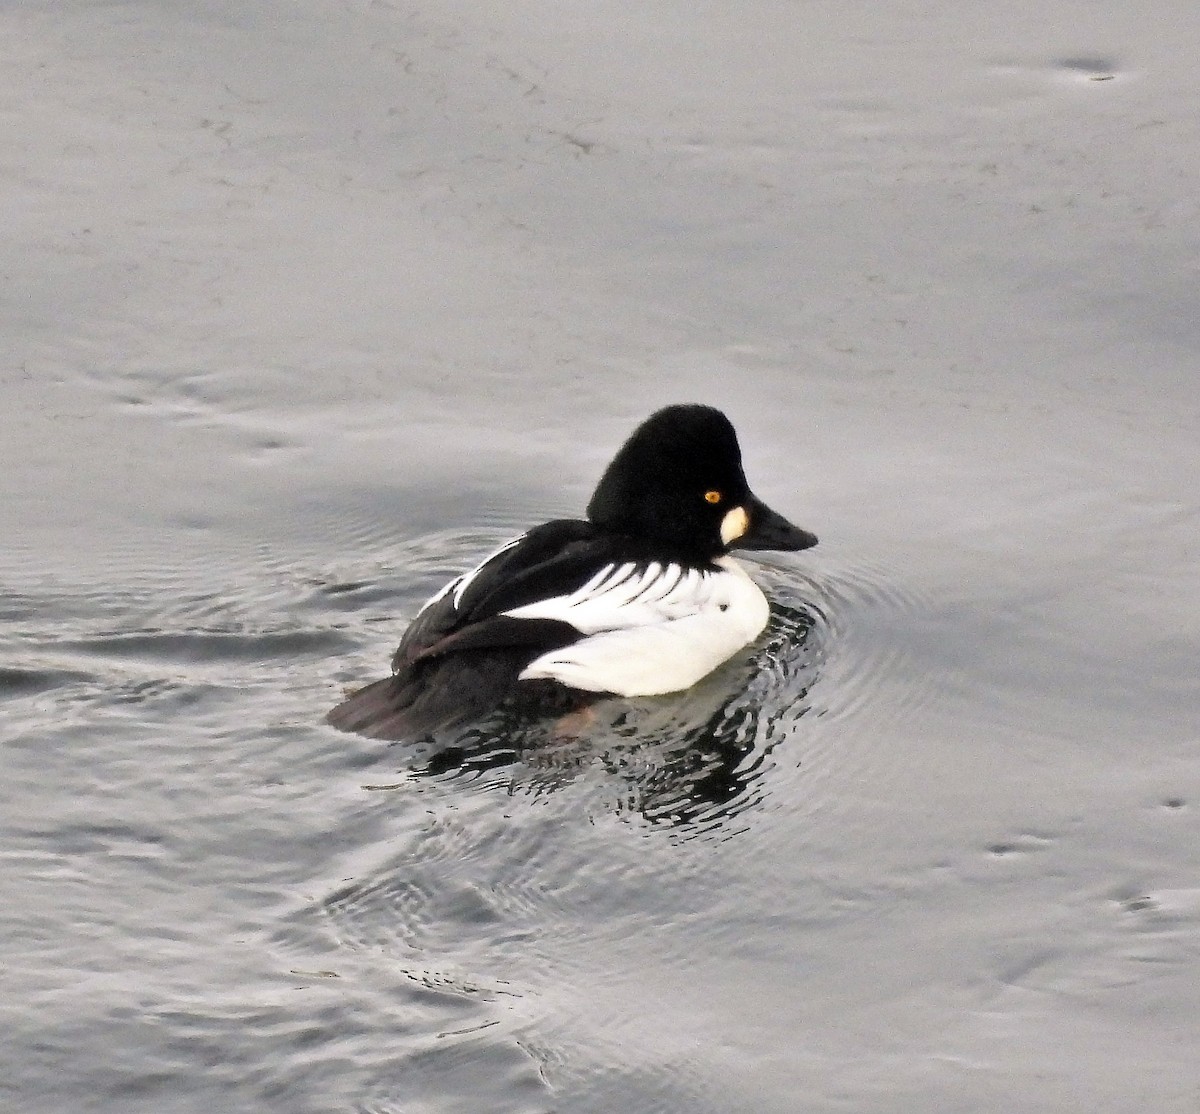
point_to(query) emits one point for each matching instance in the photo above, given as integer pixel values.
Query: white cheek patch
(735, 523)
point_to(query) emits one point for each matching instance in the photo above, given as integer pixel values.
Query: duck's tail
(436, 694)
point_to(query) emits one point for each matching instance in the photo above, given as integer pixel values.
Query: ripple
(870, 612)
(1091, 67)
(456, 1068)
(1161, 911)
(1072, 69)
(385, 573)
(25, 682)
(196, 646)
(370, 544)
(159, 644)
(867, 694)
(444, 934)
(383, 911)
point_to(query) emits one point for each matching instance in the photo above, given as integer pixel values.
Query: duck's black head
(679, 480)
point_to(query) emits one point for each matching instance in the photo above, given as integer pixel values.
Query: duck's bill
(770, 530)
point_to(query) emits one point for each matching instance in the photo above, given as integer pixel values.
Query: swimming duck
(641, 598)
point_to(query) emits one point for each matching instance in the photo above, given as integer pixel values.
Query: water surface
(308, 306)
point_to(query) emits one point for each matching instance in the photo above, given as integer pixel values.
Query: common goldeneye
(642, 598)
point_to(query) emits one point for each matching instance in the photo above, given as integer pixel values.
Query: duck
(641, 598)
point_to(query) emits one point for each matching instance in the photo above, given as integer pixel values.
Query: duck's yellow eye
(712, 496)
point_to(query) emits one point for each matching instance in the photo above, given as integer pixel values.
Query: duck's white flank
(650, 633)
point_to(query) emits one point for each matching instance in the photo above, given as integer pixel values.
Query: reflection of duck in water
(641, 599)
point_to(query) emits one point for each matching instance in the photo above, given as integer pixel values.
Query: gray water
(306, 306)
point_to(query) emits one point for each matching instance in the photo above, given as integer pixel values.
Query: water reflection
(690, 761)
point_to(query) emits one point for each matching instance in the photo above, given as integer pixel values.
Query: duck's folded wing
(464, 600)
(582, 590)
(460, 657)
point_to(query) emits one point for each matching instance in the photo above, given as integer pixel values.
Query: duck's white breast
(655, 632)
